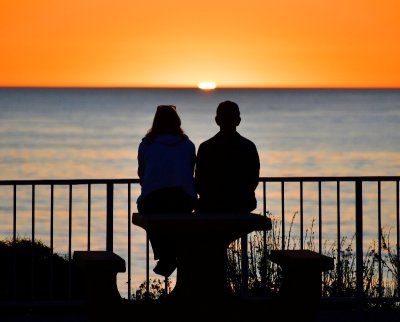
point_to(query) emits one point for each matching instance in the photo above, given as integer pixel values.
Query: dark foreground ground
(232, 311)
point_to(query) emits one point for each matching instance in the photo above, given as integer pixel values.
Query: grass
(264, 276)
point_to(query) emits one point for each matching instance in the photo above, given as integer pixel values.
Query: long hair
(166, 121)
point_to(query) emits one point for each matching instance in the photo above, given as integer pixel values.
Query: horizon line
(197, 88)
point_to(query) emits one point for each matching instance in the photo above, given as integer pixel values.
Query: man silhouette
(227, 166)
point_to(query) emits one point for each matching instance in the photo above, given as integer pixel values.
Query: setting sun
(207, 85)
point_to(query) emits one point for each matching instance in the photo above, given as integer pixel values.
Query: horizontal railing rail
(279, 198)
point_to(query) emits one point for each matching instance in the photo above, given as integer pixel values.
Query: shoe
(165, 267)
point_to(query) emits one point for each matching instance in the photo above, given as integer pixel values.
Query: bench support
(201, 270)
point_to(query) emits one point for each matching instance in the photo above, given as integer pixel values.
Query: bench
(301, 286)
(202, 240)
(96, 275)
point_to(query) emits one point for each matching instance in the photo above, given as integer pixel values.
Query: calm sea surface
(94, 133)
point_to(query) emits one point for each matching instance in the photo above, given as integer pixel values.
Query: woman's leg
(170, 200)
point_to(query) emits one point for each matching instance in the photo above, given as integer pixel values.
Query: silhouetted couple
(221, 178)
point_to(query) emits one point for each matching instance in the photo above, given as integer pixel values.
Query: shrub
(31, 270)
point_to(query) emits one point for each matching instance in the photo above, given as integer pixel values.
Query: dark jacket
(227, 174)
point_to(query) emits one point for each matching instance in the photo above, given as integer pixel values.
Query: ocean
(50, 133)
(94, 133)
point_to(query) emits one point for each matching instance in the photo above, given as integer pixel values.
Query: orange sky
(263, 43)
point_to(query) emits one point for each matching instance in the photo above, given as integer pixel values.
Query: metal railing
(278, 199)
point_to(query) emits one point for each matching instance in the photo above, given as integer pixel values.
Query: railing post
(283, 213)
(359, 243)
(110, 216)
(14, 244)
(245, 266)
(398, 236)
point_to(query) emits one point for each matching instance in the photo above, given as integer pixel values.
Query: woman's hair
(166, 121)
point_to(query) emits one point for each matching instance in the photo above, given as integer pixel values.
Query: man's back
(227, 173)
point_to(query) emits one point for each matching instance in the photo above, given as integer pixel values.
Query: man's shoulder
(247, 142)
(219, 139)
(244, 139)
(208, 141)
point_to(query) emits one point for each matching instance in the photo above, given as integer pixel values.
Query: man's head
(228, 115)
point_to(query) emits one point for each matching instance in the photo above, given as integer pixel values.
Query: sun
(206, 85)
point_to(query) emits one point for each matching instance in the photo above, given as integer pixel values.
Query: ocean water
(94, 133)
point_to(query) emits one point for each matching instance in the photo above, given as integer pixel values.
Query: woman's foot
(165, 267)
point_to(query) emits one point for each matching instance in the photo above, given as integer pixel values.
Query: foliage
(34, 268)
(156, 290)
(380, 268)
(39, 273)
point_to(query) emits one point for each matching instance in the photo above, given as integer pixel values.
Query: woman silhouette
(166, 161)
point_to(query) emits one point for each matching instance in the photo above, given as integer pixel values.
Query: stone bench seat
(97, 275)
(301, 285)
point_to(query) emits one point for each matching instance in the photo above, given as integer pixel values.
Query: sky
(179, 43)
